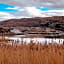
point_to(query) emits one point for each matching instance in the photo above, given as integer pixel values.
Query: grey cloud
(45, 3)
(33, 3)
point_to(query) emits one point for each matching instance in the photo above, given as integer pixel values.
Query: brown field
(31, 53)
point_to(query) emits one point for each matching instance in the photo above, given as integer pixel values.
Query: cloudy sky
(30, 8)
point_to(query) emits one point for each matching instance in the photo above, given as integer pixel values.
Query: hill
(36, 25)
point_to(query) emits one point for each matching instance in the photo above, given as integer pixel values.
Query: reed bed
(31, 53)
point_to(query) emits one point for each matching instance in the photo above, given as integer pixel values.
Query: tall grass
(31, 53)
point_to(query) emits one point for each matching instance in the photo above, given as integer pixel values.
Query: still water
(35, 40)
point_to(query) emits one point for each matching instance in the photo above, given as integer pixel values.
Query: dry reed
(32, 53)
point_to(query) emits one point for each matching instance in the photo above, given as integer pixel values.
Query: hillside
(36, 25)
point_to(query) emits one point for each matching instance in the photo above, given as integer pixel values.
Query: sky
(30, 8)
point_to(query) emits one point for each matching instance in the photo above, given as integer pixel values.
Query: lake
(35, 40)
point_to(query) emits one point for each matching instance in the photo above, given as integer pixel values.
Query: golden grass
(32, 54)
